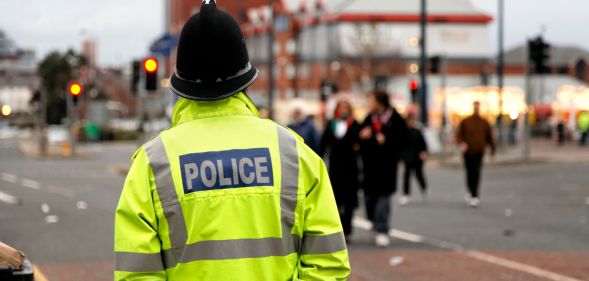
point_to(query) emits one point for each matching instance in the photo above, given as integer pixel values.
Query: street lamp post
(271, 61)
(500, 72)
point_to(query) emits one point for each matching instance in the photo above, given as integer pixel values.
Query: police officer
(223, 194)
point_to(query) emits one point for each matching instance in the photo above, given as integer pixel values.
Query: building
(17, 74)
(89, 52)
(356, 45)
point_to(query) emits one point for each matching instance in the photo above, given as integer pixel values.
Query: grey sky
(125, 28)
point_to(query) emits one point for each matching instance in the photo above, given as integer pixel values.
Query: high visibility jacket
(225, 195)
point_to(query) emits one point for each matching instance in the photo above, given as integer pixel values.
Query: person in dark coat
(474, 134)
(383, 137)
(340, 142)
(414, 156)
(304, 127)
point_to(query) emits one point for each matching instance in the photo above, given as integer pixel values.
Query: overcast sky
(125, 28)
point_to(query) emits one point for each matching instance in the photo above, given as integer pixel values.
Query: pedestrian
(303, 125)
(560, 132)
(340, 142)
(223, 194)
(473, 135)
(583, 123)
(383, 137)
(414, 156)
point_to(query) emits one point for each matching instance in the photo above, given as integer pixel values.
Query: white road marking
(9, 177)
(51, 219)
(82, 205)
(31, 184)
(9, 199)
(406, 236)
(60, 191)
(45, 208)
(587, 200)
(517, 266)
(508, 212)
(363, 223)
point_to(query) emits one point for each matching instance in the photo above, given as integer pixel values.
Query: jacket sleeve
(460, 132)
(490, 138)
(326, 140)
(323, 253)
(423, 143)
(137, 246)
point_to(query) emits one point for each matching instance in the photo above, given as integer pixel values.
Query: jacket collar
(187, 110)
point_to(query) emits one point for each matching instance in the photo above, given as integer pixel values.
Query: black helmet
(212, 59)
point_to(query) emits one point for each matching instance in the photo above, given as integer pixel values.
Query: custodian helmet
(212, 59)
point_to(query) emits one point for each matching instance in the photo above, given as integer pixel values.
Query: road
(533, 223)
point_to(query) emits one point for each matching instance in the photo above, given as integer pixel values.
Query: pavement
(533, 223)
(542, 150)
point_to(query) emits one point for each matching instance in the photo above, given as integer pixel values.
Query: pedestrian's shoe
(474, 202)
(424, 196)
(403, 200)
(467, 198)
(382, 240)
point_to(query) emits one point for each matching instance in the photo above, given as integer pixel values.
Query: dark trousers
(417, 168)
(583, 139)
(346, 212)
(473, 164)
(378, 210)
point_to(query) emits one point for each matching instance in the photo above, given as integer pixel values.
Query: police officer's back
(223, 194)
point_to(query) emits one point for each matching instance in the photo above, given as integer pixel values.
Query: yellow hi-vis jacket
(225, 195)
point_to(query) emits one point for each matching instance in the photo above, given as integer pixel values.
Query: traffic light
(539, 54)
(75, 90)
(434, 64)
(413, 89)
(135, 75)
(150, 66)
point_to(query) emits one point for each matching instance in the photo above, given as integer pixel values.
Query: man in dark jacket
(473, 135)
(304, 127)
(383, 137)
(414, 156)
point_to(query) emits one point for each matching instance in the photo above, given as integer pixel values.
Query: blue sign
(164, 45)
(226, 169)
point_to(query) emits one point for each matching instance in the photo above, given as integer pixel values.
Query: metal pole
(500, 72)
(271, 61)
(422, 64)
(42, 123)
(70, 121)
(526, 151)
(444, 65)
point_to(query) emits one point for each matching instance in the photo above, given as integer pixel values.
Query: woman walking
(340, 142)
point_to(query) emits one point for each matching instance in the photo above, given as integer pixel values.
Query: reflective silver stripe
(160, 165)
(138, 262)
(227, 249)
(289, 170)
(324, 244)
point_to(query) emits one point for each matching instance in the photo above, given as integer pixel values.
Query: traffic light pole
(527, 129)
(422, 64)
(500, 72)
(70, 122)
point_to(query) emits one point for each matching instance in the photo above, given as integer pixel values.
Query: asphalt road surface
(533, 223)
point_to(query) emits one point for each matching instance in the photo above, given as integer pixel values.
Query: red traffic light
(413, 84)
(75, 89)
(150, 65)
